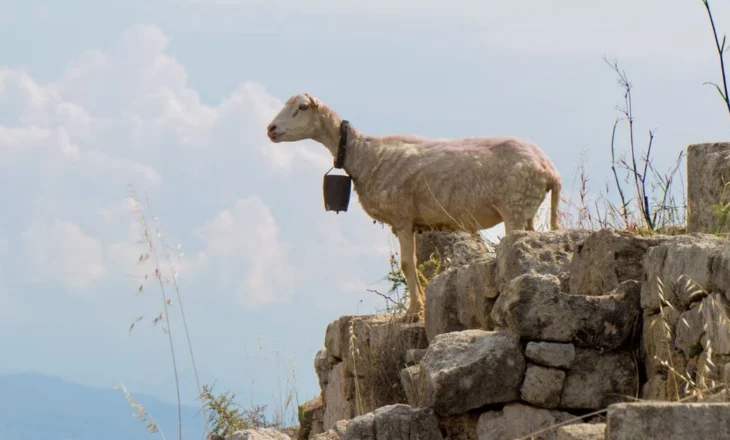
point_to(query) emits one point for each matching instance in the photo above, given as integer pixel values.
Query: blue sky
(173, 97)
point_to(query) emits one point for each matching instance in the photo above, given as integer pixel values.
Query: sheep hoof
(411, 318)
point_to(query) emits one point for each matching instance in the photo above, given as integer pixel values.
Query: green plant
(227, 417)
(396, 298)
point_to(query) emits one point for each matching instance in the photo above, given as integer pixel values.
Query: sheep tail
(554, 187)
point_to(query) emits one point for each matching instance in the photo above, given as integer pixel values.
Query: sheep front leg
(408, 264)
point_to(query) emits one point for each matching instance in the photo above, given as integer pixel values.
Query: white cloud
(127, 115)
(60, 250)
(247, 235)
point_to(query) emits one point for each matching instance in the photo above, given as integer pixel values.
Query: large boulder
(394, 422)
(517, 420)
(597, 379)
(607, 258)
(466, 370)
(536, 309)
(668, 421)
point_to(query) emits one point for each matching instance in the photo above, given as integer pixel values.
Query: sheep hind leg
(407, 240)
(514, 223)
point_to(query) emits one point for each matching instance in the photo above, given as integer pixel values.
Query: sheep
(413, 183)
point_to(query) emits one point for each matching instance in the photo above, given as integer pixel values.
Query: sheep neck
(329, 136)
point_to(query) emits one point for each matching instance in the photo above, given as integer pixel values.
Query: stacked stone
(555, 325)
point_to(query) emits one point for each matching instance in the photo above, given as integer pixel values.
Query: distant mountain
(34, 406)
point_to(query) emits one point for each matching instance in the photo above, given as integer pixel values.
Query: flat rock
(536, 309)
(582, 431)
(550, 354)
(258, 434)
(668, 421)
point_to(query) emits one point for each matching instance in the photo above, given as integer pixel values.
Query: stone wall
(553, 326)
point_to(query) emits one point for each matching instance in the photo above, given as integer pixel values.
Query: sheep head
(299, 119)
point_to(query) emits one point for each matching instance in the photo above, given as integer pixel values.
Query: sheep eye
(303, 107)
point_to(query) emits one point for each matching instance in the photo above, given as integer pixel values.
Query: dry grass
(141, 413)
(377, 356)
(639, 197)
(152, 254)
(220, 411)
(700, 377)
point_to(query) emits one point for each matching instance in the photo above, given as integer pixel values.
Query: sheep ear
(314, 102)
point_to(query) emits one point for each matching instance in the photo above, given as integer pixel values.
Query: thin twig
(624, 213)
(720, 52)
